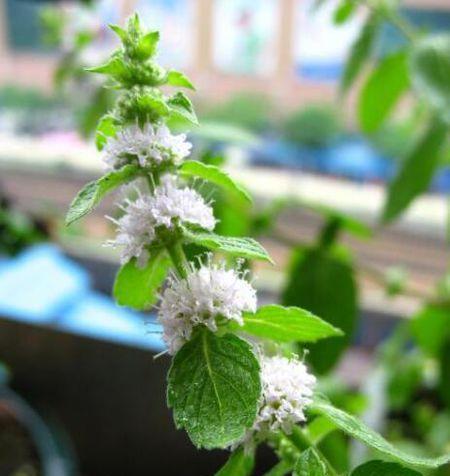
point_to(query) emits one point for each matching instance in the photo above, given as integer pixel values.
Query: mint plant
(234, 381)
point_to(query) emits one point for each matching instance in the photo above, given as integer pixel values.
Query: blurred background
(80, 391)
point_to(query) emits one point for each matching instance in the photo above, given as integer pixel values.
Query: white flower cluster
(287, 389)
(207, 294)
(169, 203)
(152, 145)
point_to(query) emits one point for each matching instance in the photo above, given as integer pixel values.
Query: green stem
(280, 469)
(302, 442)
(178, 258)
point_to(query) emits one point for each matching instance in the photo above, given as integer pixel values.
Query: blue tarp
(42, 286)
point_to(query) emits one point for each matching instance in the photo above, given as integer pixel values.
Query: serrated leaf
(106, 128)
(211, 173)
(360, 52)
(382, 468)
(243, 247)
(416, 172)
(287, 324)
(94, 191)
(177, 78)
(323, 282)
(359, 430)
(310, 464)
(137, 287)
(240, 463)
(382, 89)
(182, 109)
(430, 71)
(214, 388)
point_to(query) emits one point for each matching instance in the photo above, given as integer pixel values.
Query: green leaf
(430, 71)
(243, 247)
(176, 78)
(287, 324)
(119, 31)
(360, 52)
(137, 287)
(323, 282)
(344, 11)
(106, 128)
(382, 468)
(193, 168)
(240, 463)
(416, 172)
(114, 67)
(430, 328)
(383, 88)
(182, 108)
(359, 430)
(148, 45)
(94, 191)
(310, 464)
(214, 388)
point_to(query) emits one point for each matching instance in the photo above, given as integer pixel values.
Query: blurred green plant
(248, 110)
(17, 230)
(314, 126)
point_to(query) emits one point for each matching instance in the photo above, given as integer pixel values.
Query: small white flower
(169, 203)
(208, 293)
(152, 145)
(287, 389)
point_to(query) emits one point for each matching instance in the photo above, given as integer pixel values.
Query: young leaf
(106, 128)
(193, 168)
(240, 463)
(416, 172)
(93, 192)
(359, 430)
(119, 31)
(114, 67)
(382, 468)
(243, 247)
(137, 287)
(387, 82)
(214, 388)
(430, 70)
(176, 78)
(323, 282)
(310, 464)
(360, 52)
(148, 44)
(287, 324)
(182, 108)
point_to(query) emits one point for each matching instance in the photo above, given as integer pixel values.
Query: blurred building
(283, 47)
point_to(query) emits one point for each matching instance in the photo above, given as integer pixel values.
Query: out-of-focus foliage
(17, 230)
(315, 125)
(246, 109)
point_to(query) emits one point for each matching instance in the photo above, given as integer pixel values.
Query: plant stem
(280, 469)
(302, 442)
(178, 258)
